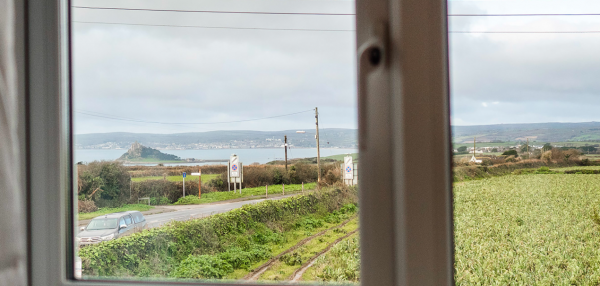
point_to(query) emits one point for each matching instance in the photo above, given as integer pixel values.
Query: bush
(240, 258)
(291, 259)
(105, 182)
(86, 206)
(202, 266)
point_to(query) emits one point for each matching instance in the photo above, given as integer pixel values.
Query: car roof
(115, 215)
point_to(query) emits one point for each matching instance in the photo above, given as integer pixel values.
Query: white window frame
(406, 200)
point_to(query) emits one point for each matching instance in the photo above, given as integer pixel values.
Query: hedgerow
(161, 251)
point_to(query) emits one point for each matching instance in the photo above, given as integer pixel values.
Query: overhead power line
(522, 15)
(214, 11)
(112, 117)
(327, 14)
(214, 27)
(332, 30)
(524, 32)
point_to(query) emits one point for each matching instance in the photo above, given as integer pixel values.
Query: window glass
(195, 112)
(137, 217)
(103, 223)
(122, 222)
(526, 141)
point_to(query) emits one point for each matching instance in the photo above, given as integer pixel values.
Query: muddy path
(297, 275)
(256, 272)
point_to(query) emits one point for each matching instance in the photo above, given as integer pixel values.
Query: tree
(104, 180)
(462, 149)
(547, 147)
(525, 148)
(511, 153)
(495, 150)
(588, 149)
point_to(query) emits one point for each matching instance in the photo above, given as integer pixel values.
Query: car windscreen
(102, 223)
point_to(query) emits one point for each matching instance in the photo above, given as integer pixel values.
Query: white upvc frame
(406, 201)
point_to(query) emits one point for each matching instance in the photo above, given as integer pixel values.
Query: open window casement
(406, 224)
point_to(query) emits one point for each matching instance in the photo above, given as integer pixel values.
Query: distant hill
(540, 132)
(137, 152)
(330, 138)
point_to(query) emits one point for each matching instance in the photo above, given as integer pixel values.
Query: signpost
(236, 173)
(349, 171)
(184, 184)
(199, 174)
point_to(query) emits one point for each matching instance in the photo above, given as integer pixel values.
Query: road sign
(348, 168)
(184, 174)
(195, 174)
(234, 163)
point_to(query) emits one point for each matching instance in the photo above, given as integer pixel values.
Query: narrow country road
(186, 212)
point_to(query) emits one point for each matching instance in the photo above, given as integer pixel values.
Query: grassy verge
(340, 264)
(103, 211)
(290, 262)
(205, 178)
(527, 230)
(214, 247)
(248, 192)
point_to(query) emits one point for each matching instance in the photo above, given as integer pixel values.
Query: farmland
(205, 178)
(527, 230)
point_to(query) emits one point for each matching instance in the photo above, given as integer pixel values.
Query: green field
(103, 211)
(576, 168)
(246, 193)
(527, 230)
(205, 178)
(341, 157)
(154, 160)
(483, 144)
(340, 264)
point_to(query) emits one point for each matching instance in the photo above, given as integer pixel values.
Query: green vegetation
(340, 264)
(290, 262)
(205, 178)
(219, 244)
(341, 157)
(573, 168)
(527, 230)
(246, 193)
(511, 153)
(139, 153)
(103, 211)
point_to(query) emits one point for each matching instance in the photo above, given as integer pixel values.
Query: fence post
(266, 191)
(283, 189)
(302, 187)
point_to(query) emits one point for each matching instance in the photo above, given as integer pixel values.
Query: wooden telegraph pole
(318, 146)
(199, 183)
(285, 147)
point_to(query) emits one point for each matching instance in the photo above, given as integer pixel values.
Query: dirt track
(297, 275)
(255, 273)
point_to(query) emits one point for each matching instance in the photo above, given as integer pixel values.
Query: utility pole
(528, 148)
(285, 147)
(474, 139)
(318, 146)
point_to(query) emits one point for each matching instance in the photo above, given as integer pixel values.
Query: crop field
(527, 230)
(205, 178)
(576, 168)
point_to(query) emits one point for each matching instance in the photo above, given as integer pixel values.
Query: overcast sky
(148, 74)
